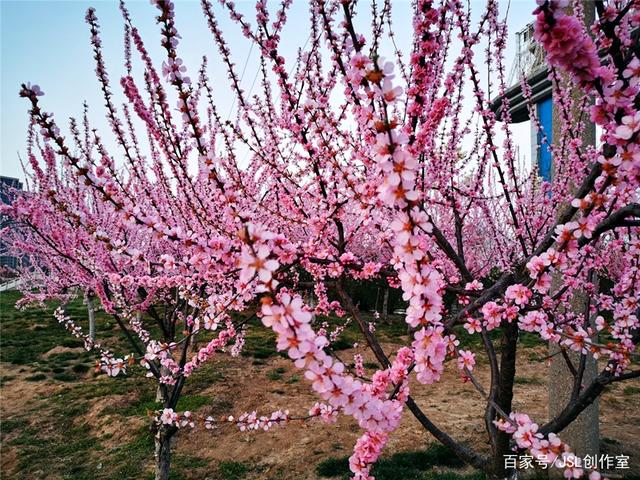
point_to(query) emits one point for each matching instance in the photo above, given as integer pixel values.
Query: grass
(276, 373)
(205, 376)
(129, 458)
(415, 465)
(29, 334)
(18, 343)
(631, 390)
(10, 425)
(53, 439)
(192, 402)
(54, 444)
(260, 343)
(229, 470)
(81, 368)
(147, 403)
(293, 379)
(332, 467)
(526, 381)
(65, 377)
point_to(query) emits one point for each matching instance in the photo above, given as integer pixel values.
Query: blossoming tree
(74, 243)
(364, 168)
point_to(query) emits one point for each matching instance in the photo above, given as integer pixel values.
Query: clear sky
(46, 42)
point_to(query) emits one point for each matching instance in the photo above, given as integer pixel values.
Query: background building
(8, 186)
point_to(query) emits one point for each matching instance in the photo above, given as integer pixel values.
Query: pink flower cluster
(566, 41)
(550, 449)
(326, 412)
(370, 404)
(168, 417)
(466, 360)
(430, 350)
(287, 316)
(367, 450)
(251, 421)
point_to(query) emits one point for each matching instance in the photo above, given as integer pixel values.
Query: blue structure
(545, 138)
(530, 61)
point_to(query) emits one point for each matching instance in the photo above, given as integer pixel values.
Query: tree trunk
(505, 396)
(163, 442)
(583, 434)
(92, 315)
(310, 300)
(385, 305)
(159, 390)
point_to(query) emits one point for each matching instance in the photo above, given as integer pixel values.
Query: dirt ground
(293, 451)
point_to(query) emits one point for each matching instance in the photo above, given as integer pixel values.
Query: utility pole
(583, 434)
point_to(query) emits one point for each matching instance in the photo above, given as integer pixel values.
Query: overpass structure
(530, 63)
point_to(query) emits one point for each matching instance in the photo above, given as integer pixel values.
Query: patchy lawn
(61, 420)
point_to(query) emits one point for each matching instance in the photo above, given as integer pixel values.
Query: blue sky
(47, 43)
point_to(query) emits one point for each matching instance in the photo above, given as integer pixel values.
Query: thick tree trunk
(163, 441)
(92, 315)
(583, 435)
(505, 396)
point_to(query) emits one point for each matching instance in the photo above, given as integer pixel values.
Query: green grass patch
(526, 381)
(204, 377)
(276, 373)
(64, 356)
(6, 378)
(65, 451)
(530, 340)
(332, 467)
(192, 402)
(81, 368)
(414, 465)
(146, 402)
(229, 470)
(129, 459)
(101, 387)
(260, 343)
(293, 379)
(29, 333)
(72, 343)
(341, 344)
(12, 424)
(52, 439)
(184, 462)
(65, 377)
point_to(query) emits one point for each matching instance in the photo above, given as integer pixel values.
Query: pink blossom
(257, 263)
(168, 416)
(466, 360)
